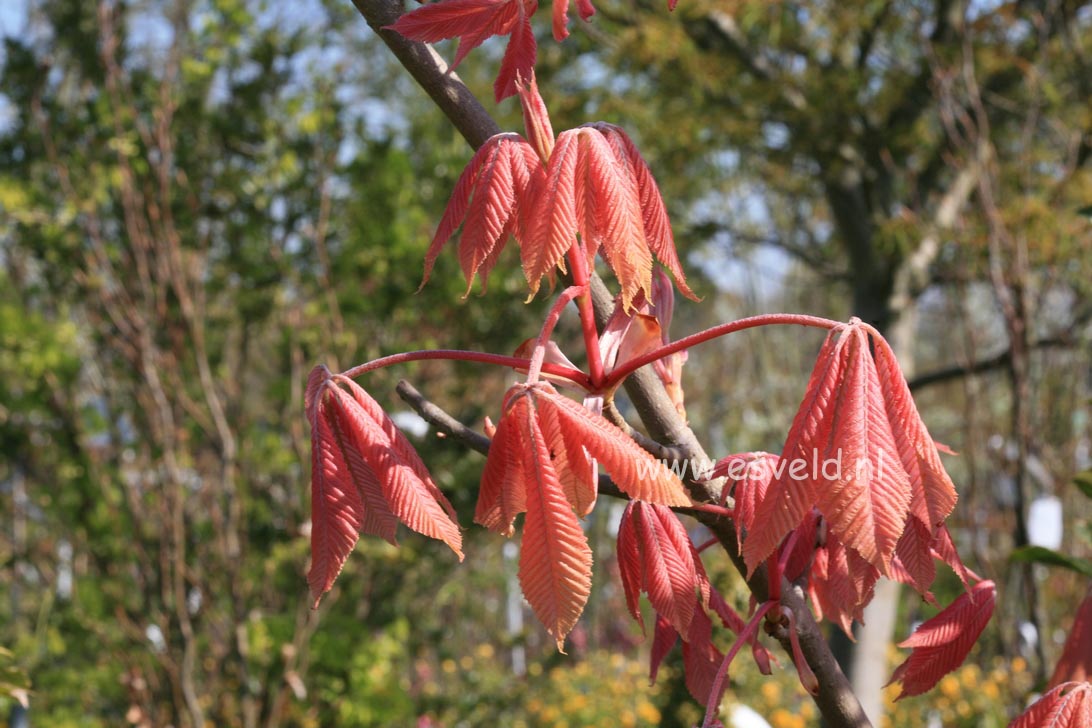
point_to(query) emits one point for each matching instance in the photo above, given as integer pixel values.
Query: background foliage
(199, 200)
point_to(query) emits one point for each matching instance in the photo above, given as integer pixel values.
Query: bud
(536, 120)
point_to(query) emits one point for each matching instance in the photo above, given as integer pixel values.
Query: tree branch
(1000, 361)
(441, 420)
(426, 66)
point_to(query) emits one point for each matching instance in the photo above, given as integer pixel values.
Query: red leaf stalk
(579, 266)
(722, 672)
(547, 328)
(769, 319)
(574, 375)
(803, 669)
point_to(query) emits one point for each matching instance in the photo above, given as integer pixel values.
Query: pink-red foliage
(540, 462)
(365, 477)
(853, 406)
(1075, 664)
(473, 22)
(1068, 705)
(942, 643)
(490, 198)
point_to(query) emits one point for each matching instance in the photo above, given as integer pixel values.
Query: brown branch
(441, 420)
(426, 66)
(1000, 361)
(836, 700)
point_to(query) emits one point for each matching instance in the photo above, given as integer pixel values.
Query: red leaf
(866, 507)
(631, 567)
(803, 547)
(609, 215)
(365, 475)
(788, 499)
(561, 20)
(315, 381)
(489, 197)
(633, 470)
(841, 584)
(539, 462)
(536, 119)
(933, 494)
(1075, 664)
(749, 475)
(551, 225)
(378, 519)
(519, 58)
(663, 639)
(398, 441)
(728, 616)
(561, 16)
(945, 550)
(575, 468)
(502, 495)
(916, 557)
(408, 489)
(555, 561)
(1068, 705)
(857, 415)
(438, 21)
(942, 643)
(336, 510)
(657, 226)
(509, 468)
(701, 659)
(494, 200)
(673, 528)
(668, 573)
(598, 186)
(473, 22)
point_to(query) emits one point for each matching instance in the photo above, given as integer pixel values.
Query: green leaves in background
(1083, 481)
(1050, 557)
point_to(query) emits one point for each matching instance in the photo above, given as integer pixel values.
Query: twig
(441, 420)
(1000, 361)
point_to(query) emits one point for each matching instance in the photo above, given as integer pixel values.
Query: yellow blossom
(648, 713)
(771, 692)
(949, 686)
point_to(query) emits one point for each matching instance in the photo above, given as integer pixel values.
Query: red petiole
(574, 375)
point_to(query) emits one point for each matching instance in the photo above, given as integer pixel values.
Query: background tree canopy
(199, 200)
